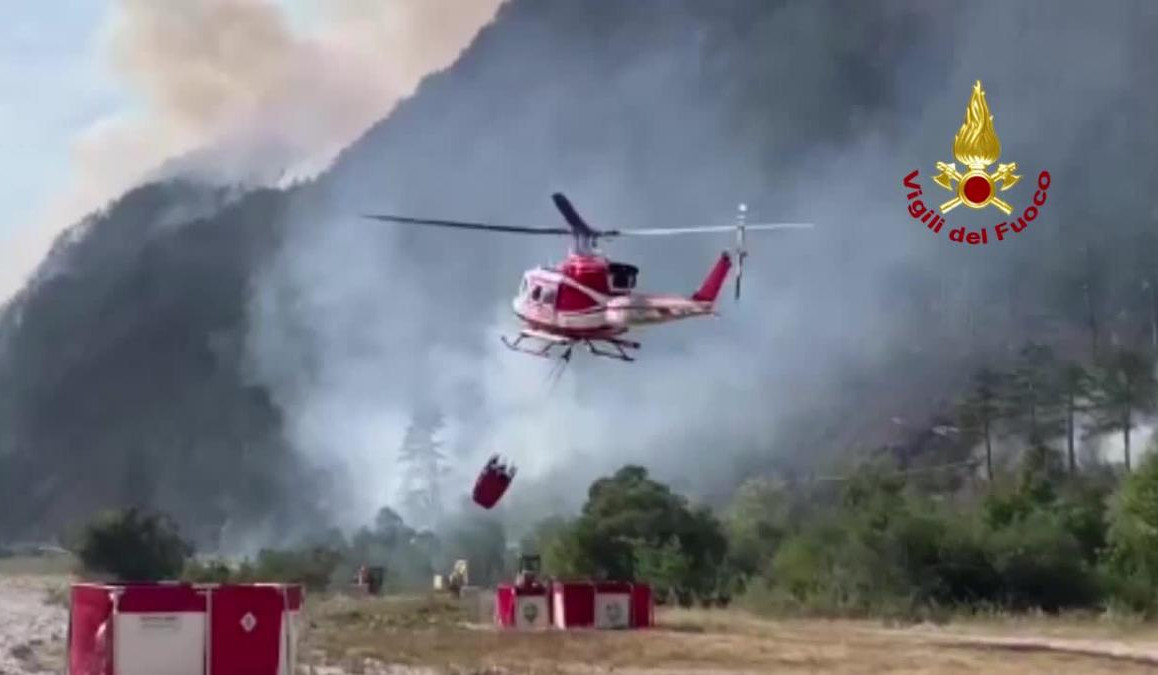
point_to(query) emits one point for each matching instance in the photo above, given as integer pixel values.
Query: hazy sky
(54, 84)
(96, 95)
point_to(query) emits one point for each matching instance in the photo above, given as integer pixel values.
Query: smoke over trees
(424, 465)
(265, 348)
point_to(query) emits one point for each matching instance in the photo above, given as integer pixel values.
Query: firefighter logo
(614, 613)
(530, 612)
(976, 146)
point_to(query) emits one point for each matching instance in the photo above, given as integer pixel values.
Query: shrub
(313, 567)
(1041, 564)
(209, 572)
(133, 546)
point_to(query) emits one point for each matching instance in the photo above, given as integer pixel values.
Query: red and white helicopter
(590, 300)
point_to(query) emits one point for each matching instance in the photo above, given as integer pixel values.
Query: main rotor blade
(463, 225)
(707, 228)
(578, 225)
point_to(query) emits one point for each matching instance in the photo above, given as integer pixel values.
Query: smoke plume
(235, 91)
(670, 113)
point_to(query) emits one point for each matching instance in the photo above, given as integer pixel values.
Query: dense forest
(249, 360)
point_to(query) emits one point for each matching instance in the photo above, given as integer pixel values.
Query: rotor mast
(584, 243)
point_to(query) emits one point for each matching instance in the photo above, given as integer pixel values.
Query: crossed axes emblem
(949, 175)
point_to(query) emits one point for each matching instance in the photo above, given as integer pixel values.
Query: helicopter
(590, 300)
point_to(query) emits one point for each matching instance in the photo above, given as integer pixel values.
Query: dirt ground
(419, 635)
(33, 624)
(431, 635)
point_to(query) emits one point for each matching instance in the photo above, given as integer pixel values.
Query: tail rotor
(741, 251)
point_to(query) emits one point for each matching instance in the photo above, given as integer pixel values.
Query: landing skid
(549, 342)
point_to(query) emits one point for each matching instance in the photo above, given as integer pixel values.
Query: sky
(98, 95)
(54, 85)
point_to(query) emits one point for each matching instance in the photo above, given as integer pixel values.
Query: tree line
(1043, 399)
(879, 542)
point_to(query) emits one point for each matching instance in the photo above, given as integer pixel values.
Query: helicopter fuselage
(588, 297)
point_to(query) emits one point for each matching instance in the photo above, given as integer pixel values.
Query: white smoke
(234, 91)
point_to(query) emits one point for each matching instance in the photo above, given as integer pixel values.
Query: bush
(312, 567)
(1131, 557)
(133, 546)
(1041, 565)
(209, 572)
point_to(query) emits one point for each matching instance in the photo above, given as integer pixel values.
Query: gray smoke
(669, 113)
(236, 91)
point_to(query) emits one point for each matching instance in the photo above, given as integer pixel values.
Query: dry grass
(47, 565)
(435, 632)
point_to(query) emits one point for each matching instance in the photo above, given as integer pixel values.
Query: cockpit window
(623, 276)
(535, 293)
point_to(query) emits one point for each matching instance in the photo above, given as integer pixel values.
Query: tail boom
(710, 289)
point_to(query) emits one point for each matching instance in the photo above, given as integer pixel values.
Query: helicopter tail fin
(715, 280)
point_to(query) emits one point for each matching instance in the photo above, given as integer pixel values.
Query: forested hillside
(249, 360)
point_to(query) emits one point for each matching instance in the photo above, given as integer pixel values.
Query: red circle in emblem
(977, 189)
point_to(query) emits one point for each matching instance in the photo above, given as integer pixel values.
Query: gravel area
(33, 626)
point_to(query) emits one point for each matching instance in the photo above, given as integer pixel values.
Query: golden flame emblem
(976, 145)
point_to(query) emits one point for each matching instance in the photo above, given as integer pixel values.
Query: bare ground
(33, 624)
(433, 635)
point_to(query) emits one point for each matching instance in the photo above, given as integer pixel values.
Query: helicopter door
(541, 297)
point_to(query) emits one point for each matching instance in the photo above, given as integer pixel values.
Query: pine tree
(1125, 385)
(1090, 291)
(982, 409)
(425, 463)
(1033, 397)
(1076, 384)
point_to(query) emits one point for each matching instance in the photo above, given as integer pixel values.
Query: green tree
(1126, 385)
(632, 525)
(981, 410)
(1132, 551)
(312, 567)
(131, 545)
(572, 552)
(756, 522)
(1033, 394)
(1040, 563)
(665, 567)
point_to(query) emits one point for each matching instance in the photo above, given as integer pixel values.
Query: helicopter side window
(536, 293)
(549, 297)
(623, 276)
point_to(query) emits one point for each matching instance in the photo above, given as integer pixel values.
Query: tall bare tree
(1032, 395)
(1125, 385)
(1076, 384)
(421, 453)
(982, 409)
